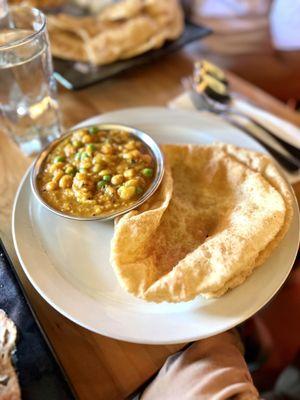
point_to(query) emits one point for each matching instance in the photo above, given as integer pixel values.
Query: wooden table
(99, 367)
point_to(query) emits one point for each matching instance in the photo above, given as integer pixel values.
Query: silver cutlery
(289, 162)
(209, 91)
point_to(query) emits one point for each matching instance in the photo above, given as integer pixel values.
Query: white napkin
(283, 129)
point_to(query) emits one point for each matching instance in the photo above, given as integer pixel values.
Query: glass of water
(28, 104)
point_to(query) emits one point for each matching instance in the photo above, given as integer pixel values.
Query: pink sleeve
(210, 369)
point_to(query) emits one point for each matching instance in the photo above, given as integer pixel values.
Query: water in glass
(27, 89)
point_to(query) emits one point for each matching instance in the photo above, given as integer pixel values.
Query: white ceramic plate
(68, 261)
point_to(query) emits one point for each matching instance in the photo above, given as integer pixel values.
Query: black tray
(40, 375)
(77, 75)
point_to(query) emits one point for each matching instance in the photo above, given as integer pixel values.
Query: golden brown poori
(219, 214)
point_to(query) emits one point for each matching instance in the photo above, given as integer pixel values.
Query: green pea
(70, 171)
(139, 190)
(77, 156)
(93, 130)
(101, 184)
(91, 147)
(148, 172)
(84, 155)
(106, 178)
(76, 144)
(82, 170)
(59, 159)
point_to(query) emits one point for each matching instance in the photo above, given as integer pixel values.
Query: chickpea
(107, 158)
(80, 133)
(77, 185)
(123, 135)
(69, 150)
(117, 179)
(135, 154)
(107, 149)
(105, 172)
(51, 186)
(127, 156)
(110, 190)
(120, 168)
(130, 145)
(96, 168)
(97, 210)
(65, 182)
(56, 167)
(57, 175)
(80, 176)
(83, 182)
(129, 173)
(126, 193)
(97, 159)
(87, 139)
(131, 182)
(85, 164)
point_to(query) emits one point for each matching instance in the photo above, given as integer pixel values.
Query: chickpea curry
(94, 172)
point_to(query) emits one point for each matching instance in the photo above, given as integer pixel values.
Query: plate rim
(105, 331)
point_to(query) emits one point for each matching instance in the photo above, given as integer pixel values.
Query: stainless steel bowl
(142, 136)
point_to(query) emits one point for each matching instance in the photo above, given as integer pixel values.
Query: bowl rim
(144, 137)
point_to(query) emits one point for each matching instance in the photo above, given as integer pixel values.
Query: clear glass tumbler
(28, 104)
(3, 12)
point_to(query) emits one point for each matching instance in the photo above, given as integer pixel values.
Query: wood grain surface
(99, 367)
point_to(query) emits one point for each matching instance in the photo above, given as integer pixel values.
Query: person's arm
(210, 369)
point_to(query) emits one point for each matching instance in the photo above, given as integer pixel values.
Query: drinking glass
(3, 12)
(28, 104)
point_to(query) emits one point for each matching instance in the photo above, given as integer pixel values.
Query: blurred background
(258, 40)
